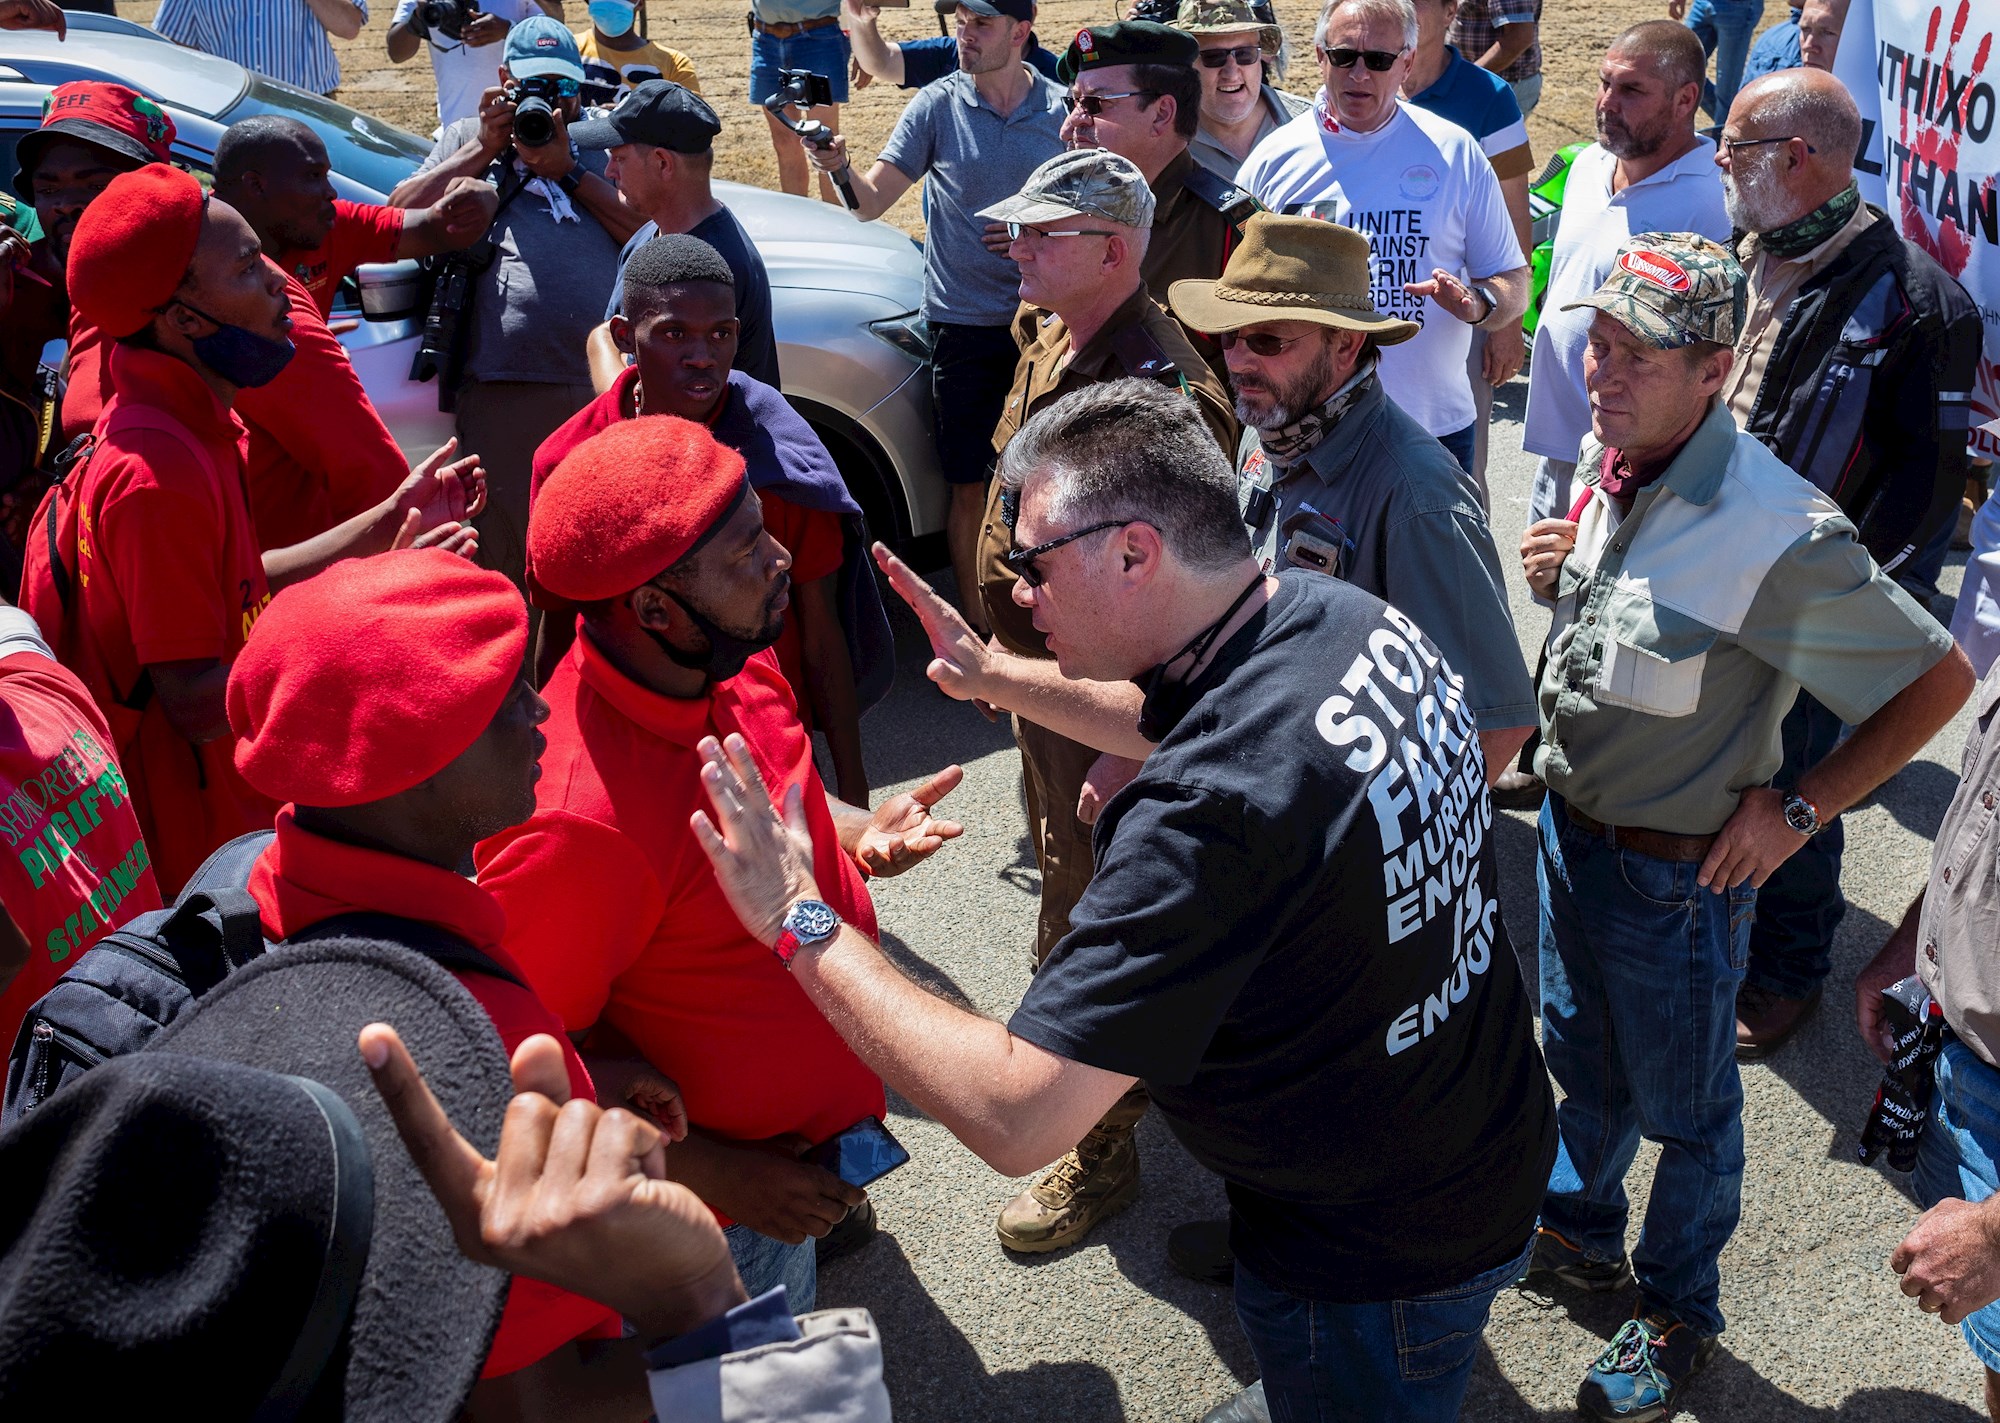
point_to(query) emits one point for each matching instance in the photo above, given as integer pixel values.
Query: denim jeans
(823, 51)
(1724, 28)
(1956, 1158)
(1800, 906)
(1462, 444)
(765, 1263)
(1640, 967)
(1406, 1359)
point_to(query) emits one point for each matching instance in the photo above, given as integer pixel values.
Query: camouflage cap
(1083, 182)
(1221, 17)
(1672, 289)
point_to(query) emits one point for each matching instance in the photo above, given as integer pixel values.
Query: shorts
(823, 51)
(1956, 1158)
(972, 369)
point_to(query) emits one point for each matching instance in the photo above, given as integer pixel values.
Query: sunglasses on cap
(1017, 230)
(1245, 56)
(1377, 60)
(1260, 343)
(1021, 561)
(1093, 104)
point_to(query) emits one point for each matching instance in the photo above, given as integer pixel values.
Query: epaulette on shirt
(1142, 356)
(1235, 203)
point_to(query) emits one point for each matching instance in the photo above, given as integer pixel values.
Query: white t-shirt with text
(464, 72)
(1426, 197)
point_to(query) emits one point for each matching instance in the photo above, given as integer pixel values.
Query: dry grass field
(711, 32)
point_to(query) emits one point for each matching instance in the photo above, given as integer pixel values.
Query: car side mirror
(392, 291)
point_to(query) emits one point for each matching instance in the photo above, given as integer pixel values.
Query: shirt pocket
(1654, 657)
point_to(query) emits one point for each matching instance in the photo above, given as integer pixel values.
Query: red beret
(373, 676)
(133, 246)
(625, 504)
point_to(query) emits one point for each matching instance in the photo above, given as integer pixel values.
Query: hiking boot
(1764, 1020)
(855, 1230)
(1200, 1250)
(1644, 1370)
(1518, 790)
(1092, 1183)
(1247, 1407)
(1556, 1260)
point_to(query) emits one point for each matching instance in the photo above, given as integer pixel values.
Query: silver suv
(854, 352)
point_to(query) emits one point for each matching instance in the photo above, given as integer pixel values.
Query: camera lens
(534, 122)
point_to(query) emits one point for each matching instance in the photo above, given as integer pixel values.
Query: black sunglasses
(1261, 343)
(1377, 60)
(1022, 560)
(1245, 56)
(1093, 104)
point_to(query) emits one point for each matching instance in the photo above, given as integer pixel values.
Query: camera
(1160, 12)
(535, 103)
(443, 17)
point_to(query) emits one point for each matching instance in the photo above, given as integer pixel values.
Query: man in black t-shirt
(1291, 937)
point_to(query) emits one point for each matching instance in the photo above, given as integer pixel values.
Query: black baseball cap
(1126, 42)
(659, 112)
(1012, 9)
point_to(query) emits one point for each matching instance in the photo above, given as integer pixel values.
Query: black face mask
(240, 356)
(1168, 703)
(727, 652)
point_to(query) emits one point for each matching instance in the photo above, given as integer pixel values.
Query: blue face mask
(613, 17)
(243, 358)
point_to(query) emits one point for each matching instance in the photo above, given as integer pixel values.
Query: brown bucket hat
(1290, 269)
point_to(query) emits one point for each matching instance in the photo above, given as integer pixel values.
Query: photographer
(517, 367)
(463, 60)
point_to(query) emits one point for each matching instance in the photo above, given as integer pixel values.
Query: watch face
(811, 921)
(1799, 816)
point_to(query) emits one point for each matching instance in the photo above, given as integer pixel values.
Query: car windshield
(364, 149)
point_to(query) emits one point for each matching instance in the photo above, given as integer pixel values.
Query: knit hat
(629, 503)
(373, 676)
(133, 246)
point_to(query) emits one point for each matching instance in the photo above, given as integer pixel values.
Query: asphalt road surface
(1107, 1331)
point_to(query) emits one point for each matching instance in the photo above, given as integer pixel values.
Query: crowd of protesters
(492, 1018)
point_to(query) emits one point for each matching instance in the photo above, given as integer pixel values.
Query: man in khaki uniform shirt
(1700, 586)
(1080, 229)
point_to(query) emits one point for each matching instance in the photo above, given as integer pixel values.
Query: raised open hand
(902, 832)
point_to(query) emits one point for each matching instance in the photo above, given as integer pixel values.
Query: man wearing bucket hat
(1081, 227)
(1240, 106)
(1698, 585)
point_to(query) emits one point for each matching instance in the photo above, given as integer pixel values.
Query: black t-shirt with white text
(1292, 938)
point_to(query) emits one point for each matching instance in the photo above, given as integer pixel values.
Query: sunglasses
(1093, 104)
(1022, 560)
(1732, 144)
(1261, 343)
(1377, 60)
(1017, 230)
(1244, 56)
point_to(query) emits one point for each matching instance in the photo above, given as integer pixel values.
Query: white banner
(1936, 110)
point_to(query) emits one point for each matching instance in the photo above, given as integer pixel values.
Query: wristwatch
(1802, 815)
(809, 922)
(569, 182)
(1492, 302)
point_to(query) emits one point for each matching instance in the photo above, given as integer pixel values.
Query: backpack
(139, 978)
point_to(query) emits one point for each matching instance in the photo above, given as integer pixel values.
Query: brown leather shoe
(1764, 1020)
(1090, 1184)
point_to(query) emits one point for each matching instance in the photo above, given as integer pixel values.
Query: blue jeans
(823, 51)
(1406, 1359)
(1800, 906)
(1640, 968)
(1724, 28)
(1462, 444)
(765, 1263)
(1956, 1159)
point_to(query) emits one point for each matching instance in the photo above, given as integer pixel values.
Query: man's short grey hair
(1400, 12)
(1132, 449)
(1823, 115)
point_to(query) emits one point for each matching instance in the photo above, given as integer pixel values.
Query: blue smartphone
(864, 1153)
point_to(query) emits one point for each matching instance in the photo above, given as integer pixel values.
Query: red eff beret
(373, 676)
(624, 505)
(133, 246)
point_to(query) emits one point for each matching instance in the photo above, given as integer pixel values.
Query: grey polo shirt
(1416, 538)
(1279, 108)
(1684, 629)
(972, 157)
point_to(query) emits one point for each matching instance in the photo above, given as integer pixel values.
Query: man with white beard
(1854, 365)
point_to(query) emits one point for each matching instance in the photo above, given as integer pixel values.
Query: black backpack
(137, 979)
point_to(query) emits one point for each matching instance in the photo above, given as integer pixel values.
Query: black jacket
(1869, 387)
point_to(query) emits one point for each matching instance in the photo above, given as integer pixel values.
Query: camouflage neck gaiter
(1795, 239)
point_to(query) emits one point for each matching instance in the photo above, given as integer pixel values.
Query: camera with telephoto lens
(1160, 12)
(535, 103)
(443, 17)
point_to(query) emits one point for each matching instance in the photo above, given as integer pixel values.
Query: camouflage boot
(1092, 1183)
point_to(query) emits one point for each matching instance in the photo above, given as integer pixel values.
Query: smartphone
(865, 1152)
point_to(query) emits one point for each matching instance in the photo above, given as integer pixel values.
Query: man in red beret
(651, 530)
(146, 575)
(384, 705)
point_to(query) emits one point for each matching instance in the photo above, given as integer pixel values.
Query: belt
(1687, 849)
(785, 29)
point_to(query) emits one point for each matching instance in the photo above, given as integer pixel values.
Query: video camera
(805, 90)
(442, 17)
(535, 103)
